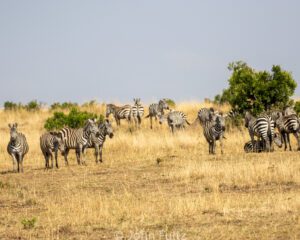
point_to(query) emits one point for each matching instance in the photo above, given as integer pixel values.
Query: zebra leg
(78, 155)
(51, 156)
(298, 140)
(100, 152)
(55, 155)
(214, 147)
(221, 144)
(66, 156)
(284, 137)
(96, 153)
(46, 161)
(14, 159)
(289, 141)
(210, 147)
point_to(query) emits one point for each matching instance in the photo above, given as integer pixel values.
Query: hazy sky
(116, 50)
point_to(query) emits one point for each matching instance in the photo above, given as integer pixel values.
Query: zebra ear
(16, 125)
(9, 125)
(107, 120)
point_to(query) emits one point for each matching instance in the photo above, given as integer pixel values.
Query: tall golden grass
(152, 185)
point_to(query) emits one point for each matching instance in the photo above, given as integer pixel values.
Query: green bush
(33, 106)
(28, 223)
(75, 119)
(10, 106)
(63, 106)
(170, 102)
(297, 108)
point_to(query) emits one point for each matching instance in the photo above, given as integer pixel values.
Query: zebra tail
(147, 116)
(187, 122)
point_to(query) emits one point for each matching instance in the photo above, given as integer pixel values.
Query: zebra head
(163, 104)
(110, 109)
(59, 141)
(91, 127)
(13, 131)
(277, 140)
(161, 117)
(106, 128)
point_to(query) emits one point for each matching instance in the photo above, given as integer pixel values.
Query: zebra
(204, 115)
(288, 111)
(175, 119)
(259, 146)
(119, 113)
(213, 130)
(157, 108)
(262, 127)
(51, 142)
(17, 147)
(78, 139)
(137, 111)
(97, 142)
(288, 124)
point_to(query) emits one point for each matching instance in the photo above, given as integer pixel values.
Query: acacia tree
(257, 91)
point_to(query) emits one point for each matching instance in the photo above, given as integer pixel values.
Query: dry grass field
(152, 185)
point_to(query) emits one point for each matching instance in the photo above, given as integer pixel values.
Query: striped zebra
(97, 142)
(288, 124)
(119, 113)
(204, 115)
(175, 119)
(17, 147)
(51, 142)
(213, 130)
(259, 146)
(156, 109)
(288, 111)
(262, 127)
(78, 139)
(137, 111)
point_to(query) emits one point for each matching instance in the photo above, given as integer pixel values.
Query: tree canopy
(257, 91)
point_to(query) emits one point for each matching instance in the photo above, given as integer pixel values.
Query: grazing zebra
(119, 113)
(288, 124)
(262, 127)
(175, 119)
(17, 147)
(137, 111)
(259, 146)
(213, 130)
(51, 142)
(78, 139)
(97, 142)
(156, 109)
(204, 115)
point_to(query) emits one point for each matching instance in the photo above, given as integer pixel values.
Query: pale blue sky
(116, 50)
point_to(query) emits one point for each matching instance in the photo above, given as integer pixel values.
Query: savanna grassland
(151, 185)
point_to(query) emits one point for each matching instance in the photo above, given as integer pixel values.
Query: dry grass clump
(151, 184)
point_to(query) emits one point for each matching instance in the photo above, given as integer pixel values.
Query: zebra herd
(93, 134)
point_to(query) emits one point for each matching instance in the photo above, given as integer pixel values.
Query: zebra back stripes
(51, 142)
(78, 139)
(260, 145)
(17, 147)
(123, 112)
(175, 119)
(137, 111)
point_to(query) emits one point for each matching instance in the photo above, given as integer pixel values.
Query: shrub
(91, 103)
(10, 106)
(63, 106)
(29, 223)
(297, 108)
(75, 119)
(170, 102)
(33, 106)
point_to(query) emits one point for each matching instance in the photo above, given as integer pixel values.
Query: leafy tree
(170, 102)
(257, 91)
(33, 106)
(297, 107)
(10, 106)
(63, 106)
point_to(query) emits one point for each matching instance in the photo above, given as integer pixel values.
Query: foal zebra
(288, 124)
(119, 113)
(175, 119)
(213, 130)
(97, 142)
(156, 109)
(78, 139)
(137, 111)
(51, 142)
(17, 147)
(262, 127)
(259, 146)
